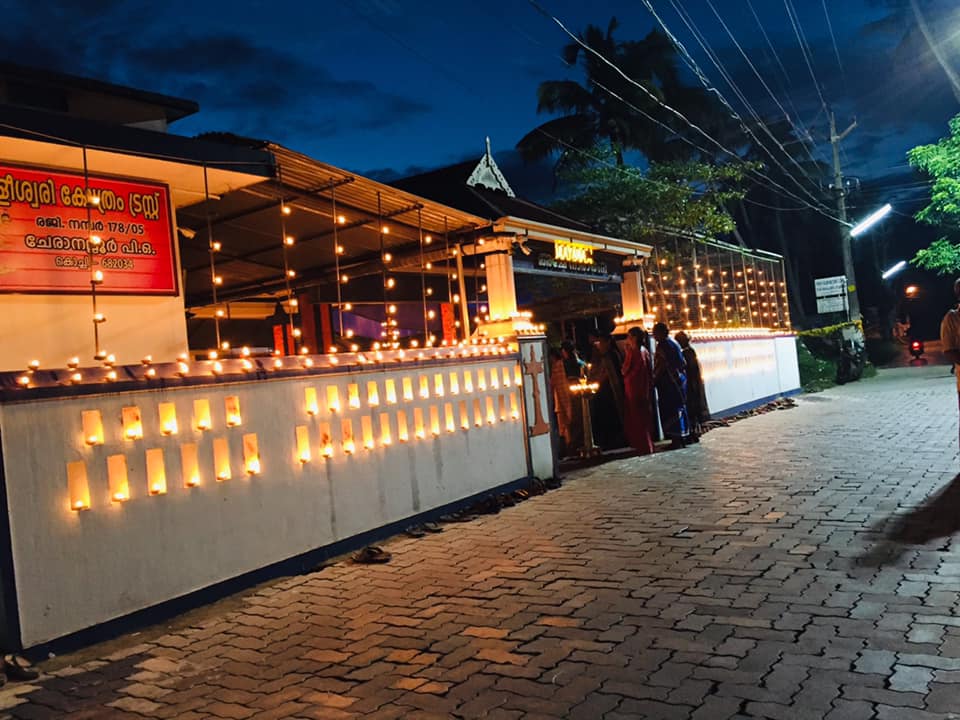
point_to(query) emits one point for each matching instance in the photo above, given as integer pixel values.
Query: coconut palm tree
(590, 113)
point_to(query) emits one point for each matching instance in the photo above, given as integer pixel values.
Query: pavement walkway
(799, 564)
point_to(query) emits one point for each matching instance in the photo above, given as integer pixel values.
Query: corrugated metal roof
(250, 227)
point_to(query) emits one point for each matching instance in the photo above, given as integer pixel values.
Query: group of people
(624, 410)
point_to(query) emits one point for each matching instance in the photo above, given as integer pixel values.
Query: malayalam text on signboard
(45, 226)
(829, 286)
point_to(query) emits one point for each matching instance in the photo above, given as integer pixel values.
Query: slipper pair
(372, 555)
(17, 668)
(419, 531)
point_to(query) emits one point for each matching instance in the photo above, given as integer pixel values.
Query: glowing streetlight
(871, 220)
(893, 270)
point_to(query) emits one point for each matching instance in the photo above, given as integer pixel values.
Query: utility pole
(853, 302)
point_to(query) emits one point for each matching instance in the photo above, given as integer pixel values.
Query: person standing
(670, 380)
(562, 401)
(638, 392)
(574, 368)
(950, 336)
(697, 410)
(608, 402)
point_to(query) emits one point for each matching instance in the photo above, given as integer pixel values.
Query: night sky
(390, 87)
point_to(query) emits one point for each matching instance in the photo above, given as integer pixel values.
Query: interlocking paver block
(728, 580)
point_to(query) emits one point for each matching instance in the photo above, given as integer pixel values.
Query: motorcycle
(916, 348)
(853, 358)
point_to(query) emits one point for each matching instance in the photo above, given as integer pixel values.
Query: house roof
(173, 108)
(451, 185)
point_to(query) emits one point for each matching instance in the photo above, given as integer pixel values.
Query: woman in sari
(563, 402)
(670, 379)
(638, 390)
(608, 402)
(697, 410)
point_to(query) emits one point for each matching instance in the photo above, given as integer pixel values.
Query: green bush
(815, 373)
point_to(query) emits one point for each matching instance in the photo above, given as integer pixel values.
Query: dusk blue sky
(390, 87)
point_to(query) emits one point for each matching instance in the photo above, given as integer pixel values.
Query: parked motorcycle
(916, 348)
(853, 358)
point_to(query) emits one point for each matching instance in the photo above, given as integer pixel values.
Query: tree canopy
(941, 162)
(686, 197)
(607, 109)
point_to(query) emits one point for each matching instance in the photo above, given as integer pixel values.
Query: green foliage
(815, 373)
(829, 330)
(941, 162)
(942, 257)
(606, 109)
(625, 202)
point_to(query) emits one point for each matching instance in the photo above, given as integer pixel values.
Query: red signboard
(46, 227)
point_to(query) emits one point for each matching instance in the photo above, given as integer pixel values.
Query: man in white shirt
(950, 336)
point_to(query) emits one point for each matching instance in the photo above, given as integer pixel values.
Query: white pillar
(631, 290)
(501, 290)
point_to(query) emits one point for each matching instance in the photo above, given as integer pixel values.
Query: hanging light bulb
(387, 257)
(344, 278)
(291, 273)
(216, 245)
(217, 280)
(348, 307)
(99, 318)
(97, 277)
(391, 283)
(341, 219)
(220, 313)
(296, 332)
(385, 230)
(288, 240)
(340, 250)
(429, 291)
(428, 266)
(427, 239)
(285, 209)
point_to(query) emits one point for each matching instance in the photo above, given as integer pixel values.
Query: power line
(591, 156)
(667, 107)
(801, 39)
(659, 123)
(766, 87)
(833, 39)
(692, 64)
(714, 58)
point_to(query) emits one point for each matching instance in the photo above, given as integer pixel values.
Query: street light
(853, 301)
(871, 220)
(893, 270)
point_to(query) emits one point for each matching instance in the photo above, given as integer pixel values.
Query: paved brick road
(737, 579)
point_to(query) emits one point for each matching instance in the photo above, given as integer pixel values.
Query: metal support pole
(462, 286)
(853, 301)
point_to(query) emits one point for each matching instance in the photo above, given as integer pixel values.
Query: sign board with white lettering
(832, 304)
(829, 286)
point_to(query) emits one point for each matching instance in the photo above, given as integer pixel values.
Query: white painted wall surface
(54, 328)
(741, 371)
(75, 569)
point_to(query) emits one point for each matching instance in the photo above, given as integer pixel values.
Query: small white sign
(828, 286)
(832, 304)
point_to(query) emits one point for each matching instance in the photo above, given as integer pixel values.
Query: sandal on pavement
(19, 668)
(372, 555)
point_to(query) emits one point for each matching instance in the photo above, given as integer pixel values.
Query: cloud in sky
(243, 85)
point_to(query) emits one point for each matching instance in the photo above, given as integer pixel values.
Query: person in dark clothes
(670, 379)
(574, 368)
(608, 402)
(697, 410)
